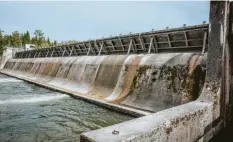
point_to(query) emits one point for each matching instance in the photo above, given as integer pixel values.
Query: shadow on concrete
(226, 135)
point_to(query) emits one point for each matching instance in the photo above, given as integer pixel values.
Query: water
(30, 113)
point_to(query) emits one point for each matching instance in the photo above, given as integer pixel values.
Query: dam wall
(7, 54)
(186, 96)
(149, 83)
(198, 120)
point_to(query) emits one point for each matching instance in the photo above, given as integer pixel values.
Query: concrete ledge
(119, 108)
(184, 123)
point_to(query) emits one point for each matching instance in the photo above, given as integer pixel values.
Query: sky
(80, 20)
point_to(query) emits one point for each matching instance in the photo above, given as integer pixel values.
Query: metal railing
(191, 38)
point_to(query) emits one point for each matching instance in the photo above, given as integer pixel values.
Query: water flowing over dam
(147, 82)
(179, 80)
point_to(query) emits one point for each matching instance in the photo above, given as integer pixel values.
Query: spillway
(181, 79)
(150, 83)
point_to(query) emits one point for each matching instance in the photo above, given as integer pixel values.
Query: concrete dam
(169, 77)
(146, 82)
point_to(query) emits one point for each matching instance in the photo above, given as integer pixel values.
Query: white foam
(40, 98)
(2, 80)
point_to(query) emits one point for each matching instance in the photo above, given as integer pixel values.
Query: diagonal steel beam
(141, 42)
(151, 44)
(112, 45)
(168, 39)
(122, 45)
(156, 44)
(186, 39)
(64, 51)
(71, 51)
(130, 45)
(204, 42)
(52, 53)
(101, 47)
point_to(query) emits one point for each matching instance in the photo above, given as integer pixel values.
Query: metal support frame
(134, 46)
(122, 45)
(39, 54)
(29, 54)
(89, 49)
(151, 44)
(71, 51)
(52, 53)
(96, 46)
(113, 47)
(186, 39)
(80, 50)
(47, 53)
(21, 55)
(204, 42)
(130, 45)
(156, 44)
(169, 40)
(77, 50)
(104, 47)
(64, 51)
(101, 47)
(61, 51)
(35, 54)
(86, 48)
(142, 42)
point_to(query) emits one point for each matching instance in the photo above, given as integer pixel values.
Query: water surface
(30, 113)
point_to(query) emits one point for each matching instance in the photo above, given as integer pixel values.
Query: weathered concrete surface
(184, 123)
(146, 82)
(7, 54)
(139, 83)
(195, 121)
(166, 80)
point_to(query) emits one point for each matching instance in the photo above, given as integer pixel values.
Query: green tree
(7, 40)
(39, 37)
(27, 39)
(16, 39)
(48, 41)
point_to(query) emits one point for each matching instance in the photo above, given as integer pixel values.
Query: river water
(30, 113)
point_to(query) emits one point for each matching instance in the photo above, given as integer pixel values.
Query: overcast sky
(90, 20)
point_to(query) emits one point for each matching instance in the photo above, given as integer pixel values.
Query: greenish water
(30, 113)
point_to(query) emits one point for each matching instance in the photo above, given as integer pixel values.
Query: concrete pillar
(217, 77)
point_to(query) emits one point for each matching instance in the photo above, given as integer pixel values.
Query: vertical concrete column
(215, 85)
(230, 41)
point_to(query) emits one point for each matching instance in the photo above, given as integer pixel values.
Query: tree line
(17, 39)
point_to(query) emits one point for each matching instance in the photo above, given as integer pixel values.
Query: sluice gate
(180, 78)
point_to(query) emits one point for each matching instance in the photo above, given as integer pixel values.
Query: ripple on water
(31, 113)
